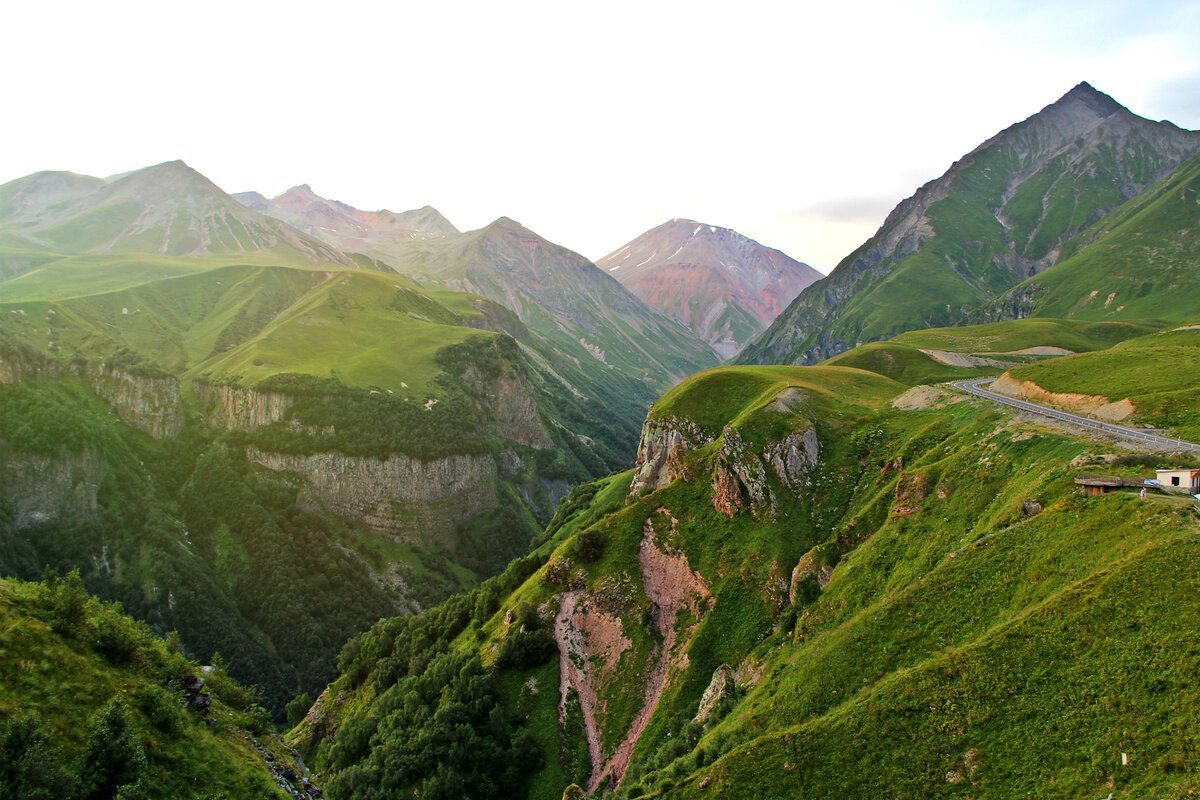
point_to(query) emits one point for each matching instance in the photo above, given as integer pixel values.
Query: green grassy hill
(918, 357)
(92, 703)
(1159, 374)
(915, 611)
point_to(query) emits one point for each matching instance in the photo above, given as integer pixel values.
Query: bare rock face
(149, 403)
(911, 490)
(663, 442)
(720, 687)
(740, 479)
(18, 364)
(40, 489)
(421, 502)
(238, 408)
(515, 411)
(811, 565)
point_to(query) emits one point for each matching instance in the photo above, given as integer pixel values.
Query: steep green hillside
(1139, 262)
(802, 590)
(996, 217)
(584, 312)
(93, 705)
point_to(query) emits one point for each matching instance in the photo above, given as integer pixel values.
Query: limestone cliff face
(663, 442)
(516, 413)
(39, 488)
(421, 502)
(741, 477)
(18, 364)
(238, 408)
(151, 404)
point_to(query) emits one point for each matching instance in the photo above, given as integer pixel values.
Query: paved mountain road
(1132, 435)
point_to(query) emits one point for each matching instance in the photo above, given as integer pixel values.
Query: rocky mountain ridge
(167, 209)
(997, 216)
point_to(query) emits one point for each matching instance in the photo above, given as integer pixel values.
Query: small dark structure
(1096, 485)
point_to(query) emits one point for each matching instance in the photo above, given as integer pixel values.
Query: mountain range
(480, 518)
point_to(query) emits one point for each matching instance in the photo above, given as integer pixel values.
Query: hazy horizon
(800, 128)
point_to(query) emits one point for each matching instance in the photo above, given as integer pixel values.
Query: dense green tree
(30, 768)
(113, 760)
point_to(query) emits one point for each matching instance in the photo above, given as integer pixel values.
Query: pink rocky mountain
(725, 286)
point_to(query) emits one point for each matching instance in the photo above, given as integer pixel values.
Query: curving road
(1134, 435)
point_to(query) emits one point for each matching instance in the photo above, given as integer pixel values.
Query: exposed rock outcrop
(741, 477)
(663, 442)
(39, 488)
(591, 640)
(516, 413)
(413, 501)
(239, 408)
(149, 403)
(720, 687)
(811, 565)
(911, 490)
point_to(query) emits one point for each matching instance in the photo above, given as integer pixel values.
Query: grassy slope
(726, 395)
(64, 680)
(901, 358)
(747, 596)
(1160, 374)
(952, 625)
(913, 656)
(246, 323)
(1139, 262)
(1080, 665)
(1011, 335)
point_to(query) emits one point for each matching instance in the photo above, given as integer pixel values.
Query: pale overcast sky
(797, 123)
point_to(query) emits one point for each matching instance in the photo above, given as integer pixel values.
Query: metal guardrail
(974, 387)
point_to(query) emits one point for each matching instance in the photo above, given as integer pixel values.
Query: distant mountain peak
(505, 224)
(725, 286)
(303, 191)
(1100, 103)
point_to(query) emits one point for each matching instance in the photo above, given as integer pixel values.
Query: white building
(1184, 480)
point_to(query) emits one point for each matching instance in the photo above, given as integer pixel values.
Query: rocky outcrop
(516, 410)
(911, 490)
(39, 488)
(1093, 405)
(741, 476)
(812, 565)
(663, 442)
(150, 403)
(17, 364)
(720, 687)
(239, 408)
(421, 502)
